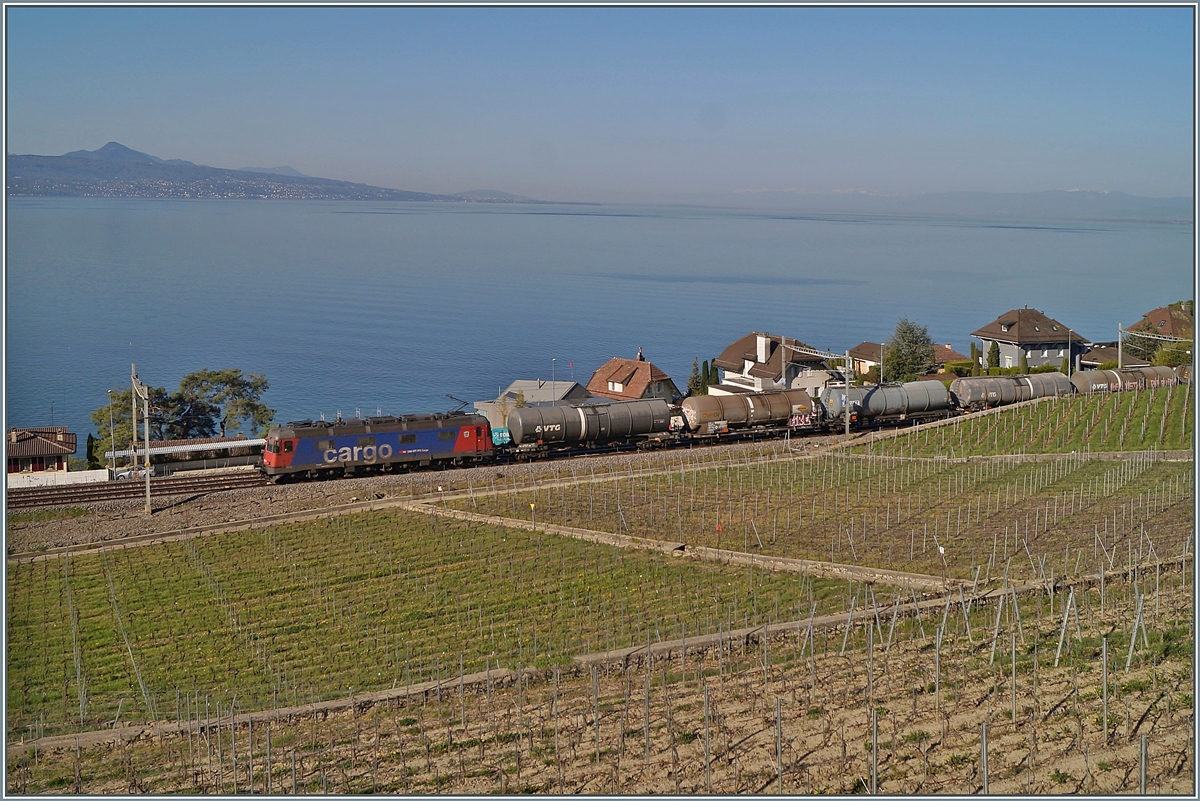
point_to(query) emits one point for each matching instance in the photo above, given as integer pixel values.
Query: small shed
(530, 392)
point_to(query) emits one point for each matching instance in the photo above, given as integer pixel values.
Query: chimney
(764, 348)
(12, 436)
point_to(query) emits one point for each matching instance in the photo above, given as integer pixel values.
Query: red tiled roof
(46, 441)
(1170, 321)
(944, 353)
(867, 352)
(635, 375)
(1026, 327)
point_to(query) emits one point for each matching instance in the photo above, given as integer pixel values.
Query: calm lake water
(351, 307)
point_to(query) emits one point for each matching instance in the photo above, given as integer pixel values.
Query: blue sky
(636, 104)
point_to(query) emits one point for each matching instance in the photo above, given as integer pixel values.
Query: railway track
(111, 491)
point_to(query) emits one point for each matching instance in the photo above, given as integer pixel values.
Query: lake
(363, 307)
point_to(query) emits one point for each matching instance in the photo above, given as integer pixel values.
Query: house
(866, 355)
(1168, 321)
(530, 393)
(632, 379)
(1103, 352)
(944, 354)
(765, 362)
(1041, 339)
(32, 450)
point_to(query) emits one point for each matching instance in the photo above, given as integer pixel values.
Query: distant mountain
(115, 151)
(118, 171)
(275, 171)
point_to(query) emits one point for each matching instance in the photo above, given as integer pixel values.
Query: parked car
(132, 473)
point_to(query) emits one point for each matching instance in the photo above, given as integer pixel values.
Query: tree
(206, 402)
(520, 401)
(975, 356)
(119, 408)
(908, 353)
(695, 382)
(1024, 364)
(994, 355)
(225, 399)
(714, 377)
(1173, 354)
(93, 461)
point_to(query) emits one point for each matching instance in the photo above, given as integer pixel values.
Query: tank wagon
(376, 444)
(885, 401)
(979, 392)
(588, 424)
(717, 414)
(1124, 379)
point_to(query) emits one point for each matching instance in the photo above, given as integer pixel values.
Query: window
(272, 446)
(325, 445)
(446, 436)
(658, 387)
(1062, 351)
(366, 442)
(616, 386)
(1161, 323)
(1004, 328)
(287, 446)
(1045, 353)
(408, 439)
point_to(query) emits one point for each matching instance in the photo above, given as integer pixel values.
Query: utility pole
(846, 405)
(1120, 346)
(133, 417)
(141, 391)
(112, 439)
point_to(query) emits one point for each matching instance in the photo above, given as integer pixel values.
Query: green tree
(1024, 364)
(520, 401)
(994, 355)
(1065, 367)
(119, 407)
(93, 463)
(1173, 354)
(695, 382)
(908, 353)
(714, 377)
(225, 399)
(975, 357)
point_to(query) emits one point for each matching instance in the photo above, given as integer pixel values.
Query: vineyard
(1067, 553)
(1153, 419)
(1055, 695)
(966, 519)
(292, 614)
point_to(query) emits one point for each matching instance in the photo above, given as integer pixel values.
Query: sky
(624, 104)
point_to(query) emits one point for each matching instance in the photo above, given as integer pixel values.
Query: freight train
(386, 444)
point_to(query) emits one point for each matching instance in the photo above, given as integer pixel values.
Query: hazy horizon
(661, 105)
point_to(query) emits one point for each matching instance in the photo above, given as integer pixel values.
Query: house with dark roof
(866, 355)
(39, 449)
(631, 379)
(1169, 321)
(944, 354)
(765, 362)
(1041, 339)
(1104, 352)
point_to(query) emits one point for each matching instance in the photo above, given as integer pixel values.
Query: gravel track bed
(116, 520)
